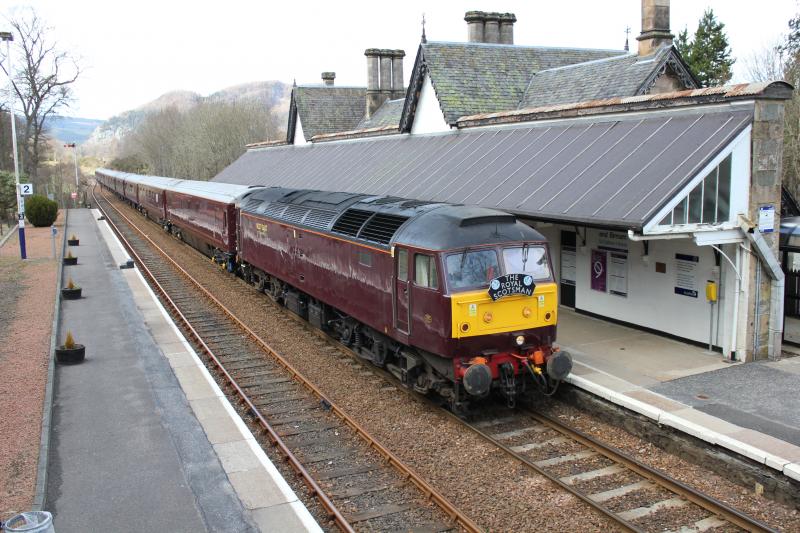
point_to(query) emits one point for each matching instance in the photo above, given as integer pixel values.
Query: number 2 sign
(26, 189)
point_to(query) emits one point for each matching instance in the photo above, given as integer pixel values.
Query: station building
(660, 200)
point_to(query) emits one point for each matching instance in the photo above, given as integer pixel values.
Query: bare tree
(41, 82)
(766, 64)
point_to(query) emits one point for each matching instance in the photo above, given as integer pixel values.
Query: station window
(708, 203)
(425, 274)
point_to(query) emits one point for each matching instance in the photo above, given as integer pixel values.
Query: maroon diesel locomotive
(458, 300)
(454, 299)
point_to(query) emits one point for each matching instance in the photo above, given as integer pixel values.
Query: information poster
(568, 276)
(618, 274)
(686, 274)
(599, 272)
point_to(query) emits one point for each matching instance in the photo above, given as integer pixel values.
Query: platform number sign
(26, 189)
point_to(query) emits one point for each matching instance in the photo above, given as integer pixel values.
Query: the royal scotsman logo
(511, 284)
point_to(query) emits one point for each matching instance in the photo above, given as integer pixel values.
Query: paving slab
(141, 427)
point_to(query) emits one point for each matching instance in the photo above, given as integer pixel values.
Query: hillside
(71, 129)
(106, 137)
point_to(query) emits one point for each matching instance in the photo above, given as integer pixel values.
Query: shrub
(40, 211)
(69, 342)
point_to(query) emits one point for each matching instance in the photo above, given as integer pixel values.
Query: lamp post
(75, 153)
(7, 36)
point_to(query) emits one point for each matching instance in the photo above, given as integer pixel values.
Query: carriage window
(402, 265)
(425, 271)
(472, 269)
(527, 260)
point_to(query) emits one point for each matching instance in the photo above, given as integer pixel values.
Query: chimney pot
(475, 26)
(491, 28)
(398, 91)
(655, 26)
(328, 77)
(373, 75)
(507, 21)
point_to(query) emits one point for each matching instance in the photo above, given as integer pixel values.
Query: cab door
(401, 306)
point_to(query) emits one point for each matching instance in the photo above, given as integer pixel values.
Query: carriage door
(401, 290)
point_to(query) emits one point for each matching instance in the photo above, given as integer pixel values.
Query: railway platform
(751, 409)
(143, 439)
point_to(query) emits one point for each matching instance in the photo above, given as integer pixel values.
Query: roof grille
(275, 210)
(295, 214)
(317, 218)
(417, 203)
(382, 227)
(351, 221)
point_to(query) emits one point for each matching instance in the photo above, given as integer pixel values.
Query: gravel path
(27, 299)
(496, 493)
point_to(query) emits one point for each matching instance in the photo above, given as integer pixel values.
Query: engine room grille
(275, 210)
(294, 214)
(351, 221)
(317, 218)
(382, 227)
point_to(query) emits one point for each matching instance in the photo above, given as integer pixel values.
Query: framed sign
(598, 271)
(26, 189)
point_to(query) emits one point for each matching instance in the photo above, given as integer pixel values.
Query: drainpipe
(737, 294)
(773, 268)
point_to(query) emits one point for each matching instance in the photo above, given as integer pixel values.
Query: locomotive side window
(527, 260)
(402, 265)
(425, 274)
(472, 269)
(365, 259)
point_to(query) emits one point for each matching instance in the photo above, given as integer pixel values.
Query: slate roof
(472, 78)
(627, 75)
(388, 114)
(324, 109)
(608, 170)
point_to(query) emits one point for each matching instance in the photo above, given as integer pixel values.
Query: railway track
(636, 496)
(631, 494)
(359, 483)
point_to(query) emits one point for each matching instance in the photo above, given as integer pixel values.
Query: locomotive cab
(478, 286)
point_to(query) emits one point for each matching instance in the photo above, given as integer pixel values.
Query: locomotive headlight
(520, 340)
(487, 317)
(526, 312)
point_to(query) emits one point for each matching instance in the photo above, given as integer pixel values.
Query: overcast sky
(135, 51)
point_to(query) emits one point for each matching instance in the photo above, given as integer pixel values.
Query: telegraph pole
(77, 184)
(7, 36)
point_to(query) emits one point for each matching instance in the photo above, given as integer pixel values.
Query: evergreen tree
(708, 53)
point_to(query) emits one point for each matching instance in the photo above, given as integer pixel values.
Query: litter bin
(31, 522)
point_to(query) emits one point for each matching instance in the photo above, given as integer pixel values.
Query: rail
(430, 493)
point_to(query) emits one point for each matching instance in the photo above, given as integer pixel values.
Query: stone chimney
(327, 78)
(398, 91)
(386, 74)
(373, 77)
(507, 21)
(475, 23)
(655, 26)
(491, 28)
(483, 27)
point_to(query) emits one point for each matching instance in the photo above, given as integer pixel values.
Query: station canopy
(615, 171)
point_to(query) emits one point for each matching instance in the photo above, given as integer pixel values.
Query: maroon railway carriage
(204, 215)
(405, 284)
(153, 196)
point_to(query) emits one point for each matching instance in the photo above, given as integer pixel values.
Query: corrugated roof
(327, 109)
(606, 170)
(472, 78)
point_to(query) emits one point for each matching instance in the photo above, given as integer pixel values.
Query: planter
(70, 260)
(73, 242)
(71, 294)
(71, 355)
